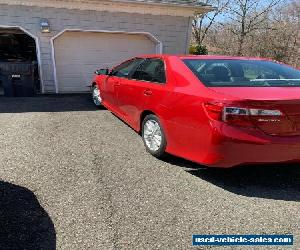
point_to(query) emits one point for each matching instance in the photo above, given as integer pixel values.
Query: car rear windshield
(244, 73)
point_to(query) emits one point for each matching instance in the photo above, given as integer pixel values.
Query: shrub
(198, 50)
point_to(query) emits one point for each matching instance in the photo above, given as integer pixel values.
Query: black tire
(160, 153)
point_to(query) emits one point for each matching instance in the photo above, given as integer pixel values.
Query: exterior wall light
(45, 26)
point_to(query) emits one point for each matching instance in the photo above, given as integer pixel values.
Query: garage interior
(18, 63)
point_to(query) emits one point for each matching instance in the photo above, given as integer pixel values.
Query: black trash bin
(7, 87)
(18, 78)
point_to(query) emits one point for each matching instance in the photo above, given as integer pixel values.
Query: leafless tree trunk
(203, 23)
(248, 15)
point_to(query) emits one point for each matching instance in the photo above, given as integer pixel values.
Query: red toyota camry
(214, 110)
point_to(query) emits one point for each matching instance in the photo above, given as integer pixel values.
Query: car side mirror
(102, 72)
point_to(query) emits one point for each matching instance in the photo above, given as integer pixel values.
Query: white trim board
(159, 45)
(117, 6)
(38, 51)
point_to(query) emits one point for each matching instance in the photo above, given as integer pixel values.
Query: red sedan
(214, 110)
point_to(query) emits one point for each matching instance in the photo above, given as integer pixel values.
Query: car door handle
(117, 84)
(147, 92)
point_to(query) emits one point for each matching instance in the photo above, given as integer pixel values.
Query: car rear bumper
(235, 146)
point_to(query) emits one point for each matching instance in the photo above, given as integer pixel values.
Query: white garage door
(79, 54)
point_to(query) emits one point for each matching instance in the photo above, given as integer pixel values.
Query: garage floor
(78, 178)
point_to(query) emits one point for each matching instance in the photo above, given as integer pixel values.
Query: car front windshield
(243, 73)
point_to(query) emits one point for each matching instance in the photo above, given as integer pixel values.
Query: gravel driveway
(73, 177)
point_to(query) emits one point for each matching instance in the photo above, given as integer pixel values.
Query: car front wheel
(153, 136)
(96, 96)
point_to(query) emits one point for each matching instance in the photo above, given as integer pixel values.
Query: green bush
(198, 50)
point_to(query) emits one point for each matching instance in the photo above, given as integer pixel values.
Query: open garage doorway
(19, 69)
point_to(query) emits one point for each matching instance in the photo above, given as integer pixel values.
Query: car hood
(260, 93)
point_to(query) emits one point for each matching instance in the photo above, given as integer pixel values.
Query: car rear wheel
(153, 136)
(96, 96)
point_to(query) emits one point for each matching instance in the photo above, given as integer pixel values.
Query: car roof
(205, 57)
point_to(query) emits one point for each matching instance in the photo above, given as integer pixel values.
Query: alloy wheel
(96, 96)
(152, 135)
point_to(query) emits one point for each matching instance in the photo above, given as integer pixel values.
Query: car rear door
(146, 85)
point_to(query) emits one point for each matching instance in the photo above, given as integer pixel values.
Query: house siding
(170, 30)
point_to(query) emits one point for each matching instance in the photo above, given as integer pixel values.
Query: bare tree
(248, 16)
(203, 22)
(269, 30)
(285, 33)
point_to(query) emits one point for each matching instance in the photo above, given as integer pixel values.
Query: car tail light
(239, 116)
(214, 110)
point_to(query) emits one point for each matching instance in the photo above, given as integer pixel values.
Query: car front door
(115, 80)
(146, 84)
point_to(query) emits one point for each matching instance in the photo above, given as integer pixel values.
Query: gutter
(208, 8)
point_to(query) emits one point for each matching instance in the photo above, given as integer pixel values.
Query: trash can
(8, 91)
(18, 78)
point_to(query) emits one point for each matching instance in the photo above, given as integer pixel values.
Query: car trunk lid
(286, 100)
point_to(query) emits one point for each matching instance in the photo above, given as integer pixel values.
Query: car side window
(151, 70)
(126, 68)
